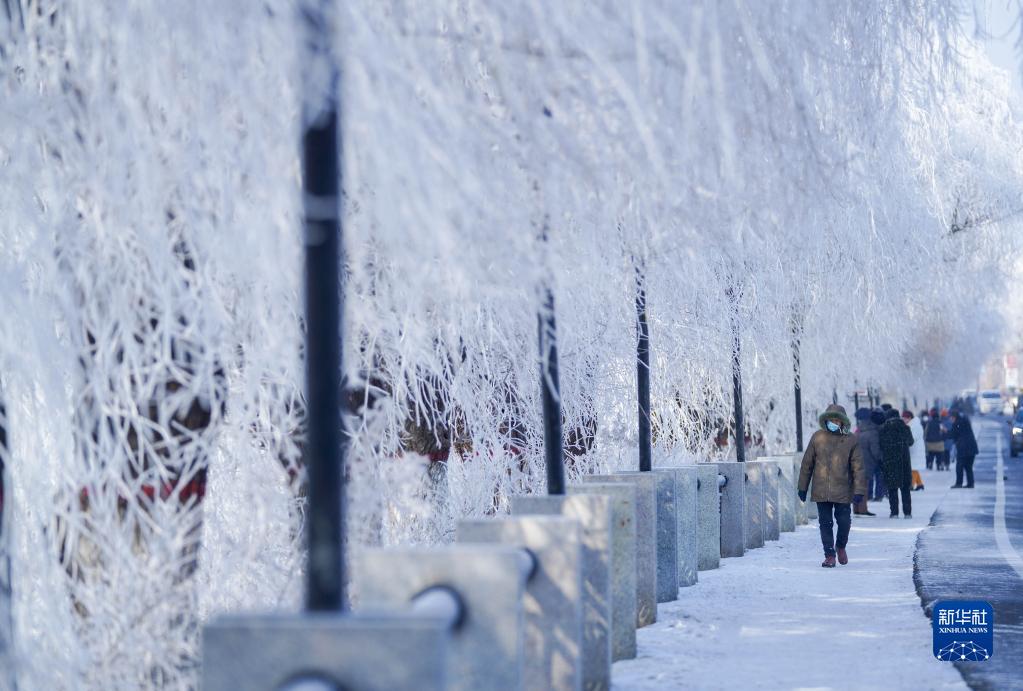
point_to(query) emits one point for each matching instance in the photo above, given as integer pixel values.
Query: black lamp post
(325, 441)
(551, 394)
(643, 374)
(550, 387)
(797, 385)
(740, 423)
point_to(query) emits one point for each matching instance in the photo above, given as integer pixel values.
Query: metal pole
(740, 424)
(7, 662)
(798, 388)
(325, 441)
(551, 389)
(643, 374)
(4, 503)
(856, 400)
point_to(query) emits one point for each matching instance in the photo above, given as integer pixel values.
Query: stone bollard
(708, 497)
(787, 498)
(593, 512)
(733, 512)
(754, 505)
(623, 563)
(772, 490)
(646, 540)
(553, 599)
(397, 651)
(667, 531)
(801, 509)
(487, 649)
(811, 505)
(687, 521)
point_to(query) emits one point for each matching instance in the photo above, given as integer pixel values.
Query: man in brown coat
(834, 462)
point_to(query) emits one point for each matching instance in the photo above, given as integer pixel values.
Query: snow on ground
(774, 619)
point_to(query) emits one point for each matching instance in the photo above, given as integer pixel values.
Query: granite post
(593, 512)
(709, 516)
(553, 601)
(754, 505)
(786, 496)
(623, 563)
(398, 651)
(687, 521)
(487, 649)
(772, 499)
(667, 531)
(646, 540)
(733, 512)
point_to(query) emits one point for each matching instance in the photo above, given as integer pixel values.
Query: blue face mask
(832, 426)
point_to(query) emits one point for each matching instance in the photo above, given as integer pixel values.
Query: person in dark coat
(934, 441)
(896, 437)
(870, 449)
(950, 445)
(833, 461)
(876, 490)
(966, 447)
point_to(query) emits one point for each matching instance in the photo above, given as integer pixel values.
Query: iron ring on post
(442, 602)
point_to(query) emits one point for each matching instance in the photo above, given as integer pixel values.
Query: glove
(802, 496)
(857, 498)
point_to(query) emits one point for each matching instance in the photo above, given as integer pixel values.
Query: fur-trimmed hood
(837, 413)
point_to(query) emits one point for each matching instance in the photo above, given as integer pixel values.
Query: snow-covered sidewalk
(774, 619)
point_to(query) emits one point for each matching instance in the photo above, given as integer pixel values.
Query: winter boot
(829, 561)
(843, 558)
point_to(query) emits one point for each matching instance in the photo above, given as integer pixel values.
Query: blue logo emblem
(964, 630)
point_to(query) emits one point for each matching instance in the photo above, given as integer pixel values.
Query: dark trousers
(964, 464)
(842, 516)
(935, 459)
(875, 483)
(893, 500)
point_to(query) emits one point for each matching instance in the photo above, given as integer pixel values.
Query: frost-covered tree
(761, 166)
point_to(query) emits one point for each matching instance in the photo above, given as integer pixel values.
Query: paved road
(972, 550)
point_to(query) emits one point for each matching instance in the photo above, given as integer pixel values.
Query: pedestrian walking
(896, 437)
(870, 449)
(961, 433)
(834, 462)
(934, 441)
(876, 489)
(950, 446)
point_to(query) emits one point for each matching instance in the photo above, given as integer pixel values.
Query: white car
(989, 401)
